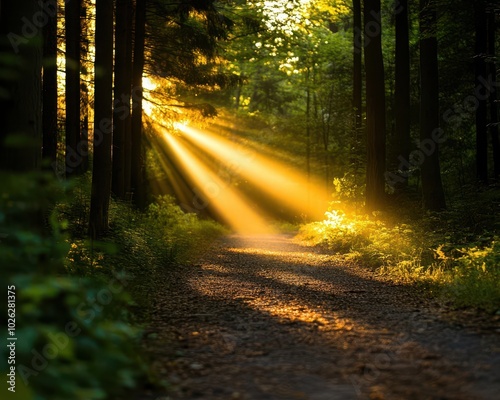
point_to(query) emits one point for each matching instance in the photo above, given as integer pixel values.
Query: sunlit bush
(348, 187)
(365, 237)
(178, 235)
(413, 253)
(476, 276)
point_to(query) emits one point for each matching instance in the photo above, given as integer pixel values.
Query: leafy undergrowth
(458, 262)
(79, 304)
(139, 244)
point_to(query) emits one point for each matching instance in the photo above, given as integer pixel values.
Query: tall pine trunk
(20, 111)
(357, 66)
(121, 110)
(21, 129)
(375, 106)
(482, 108)
(137, 159)
(84, 90)
(128, 119)
(72, 98)
(432, 187)
(402, 86)
(103, 120)
(493, 95)
(49, 86)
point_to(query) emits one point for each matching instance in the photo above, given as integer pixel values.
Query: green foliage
(179, 236)
(365, 237)
(476, 275)
(79, 302)
(74, 337)
(141, 244)
(412, 252)
(348, 188)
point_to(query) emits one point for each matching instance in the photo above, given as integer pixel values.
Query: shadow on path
(263, 318)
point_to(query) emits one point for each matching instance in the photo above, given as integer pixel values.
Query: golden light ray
(175, 180)
(229, 204)
(281, 182)
(148, 85)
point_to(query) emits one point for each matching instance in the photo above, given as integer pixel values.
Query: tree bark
(103, 120)
(121, 110)
(21, 109)
(137, 159)
(493, 95)
(432, 188)
(49, 85)
(482, 108)
(128, 118)
(357, 65)
(21, 132)
(73, 64)
(84, 91)
(375, 106)
(402, 87)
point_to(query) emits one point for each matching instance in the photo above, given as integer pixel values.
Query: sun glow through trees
(227, 202)
(212, 166)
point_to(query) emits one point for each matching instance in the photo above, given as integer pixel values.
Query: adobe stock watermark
(32, 27)
(86, 312)
(454, 116)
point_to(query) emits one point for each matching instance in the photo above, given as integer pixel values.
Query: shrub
(180, 236)
(413, 253)
(74, 339)
(475, 277)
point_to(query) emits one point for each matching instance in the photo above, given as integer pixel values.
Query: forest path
(261, 317)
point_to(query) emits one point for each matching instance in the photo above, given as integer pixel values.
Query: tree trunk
(482, 108)
(375, 106)
(308, 125)
(73, 63)
(402, 88)
(49, 88)
(121, 111)
(20, 111)
(21, 132)
(84, 92)
(357, 66)
(137, 164)
(432, 188)
(128, 119)
(103, 122)
(493, 95)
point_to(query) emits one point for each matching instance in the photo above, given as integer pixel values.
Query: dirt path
(264, 318)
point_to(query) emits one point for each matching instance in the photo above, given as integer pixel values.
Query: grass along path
(261, 317)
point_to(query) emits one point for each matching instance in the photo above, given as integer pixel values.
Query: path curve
(263, 318)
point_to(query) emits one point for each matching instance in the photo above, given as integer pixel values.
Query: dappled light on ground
(286, 310)
(261, 314)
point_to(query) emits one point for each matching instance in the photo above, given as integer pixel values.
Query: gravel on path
(264, 318)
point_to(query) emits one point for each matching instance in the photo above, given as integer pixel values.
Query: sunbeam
(281, 182)
(214, 192)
